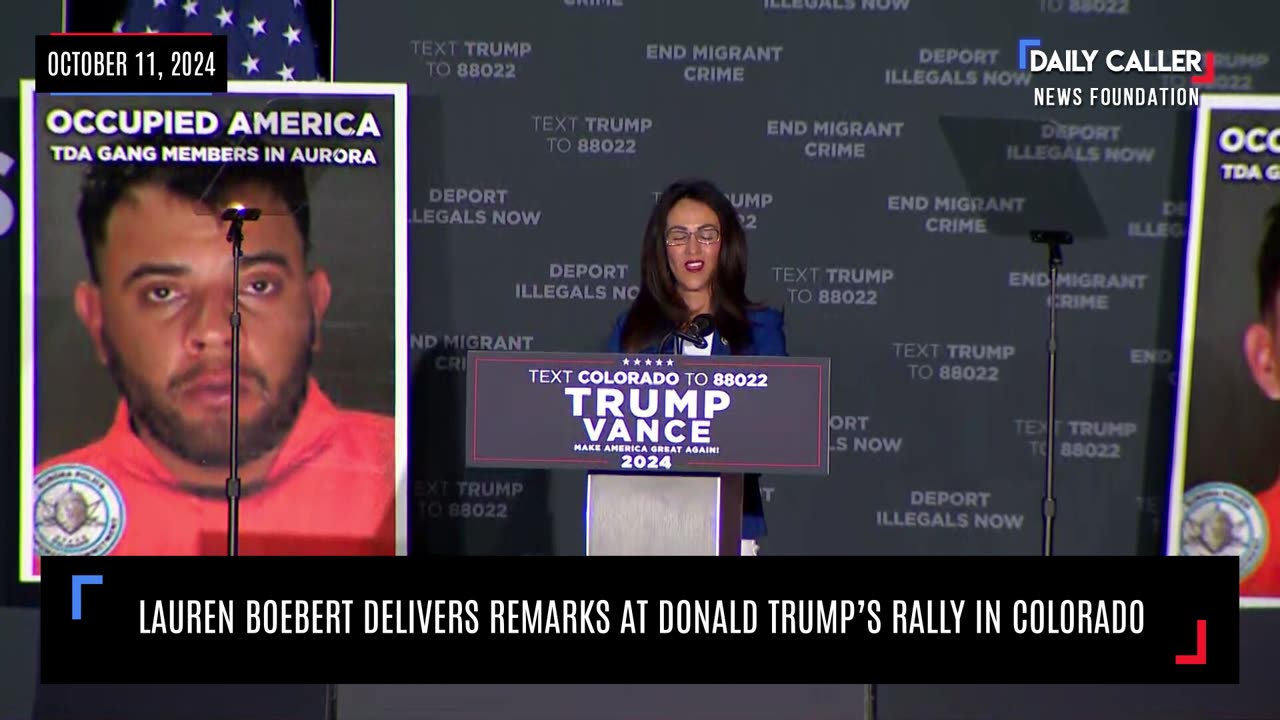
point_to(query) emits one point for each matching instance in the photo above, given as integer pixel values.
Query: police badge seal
(78, 511)
(1224, 519)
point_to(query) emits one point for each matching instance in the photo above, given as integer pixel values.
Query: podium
(666, 441)
(664, 514)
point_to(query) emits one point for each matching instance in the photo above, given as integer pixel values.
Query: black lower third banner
(642, 619)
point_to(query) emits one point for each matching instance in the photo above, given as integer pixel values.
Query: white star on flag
(247, 26)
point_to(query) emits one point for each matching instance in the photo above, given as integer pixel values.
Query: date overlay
(131, 63)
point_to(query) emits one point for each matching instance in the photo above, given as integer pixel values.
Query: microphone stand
(678, 338)
(1055, 239)
(662, 346)
(235, 236)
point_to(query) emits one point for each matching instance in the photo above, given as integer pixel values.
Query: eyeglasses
(707, 235)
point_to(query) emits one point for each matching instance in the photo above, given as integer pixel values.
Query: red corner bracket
(1199, 658)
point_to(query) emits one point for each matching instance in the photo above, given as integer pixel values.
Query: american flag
(266, 39)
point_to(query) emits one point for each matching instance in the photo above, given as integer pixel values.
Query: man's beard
(208, 443)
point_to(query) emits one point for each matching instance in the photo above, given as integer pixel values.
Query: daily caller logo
(1176, 69)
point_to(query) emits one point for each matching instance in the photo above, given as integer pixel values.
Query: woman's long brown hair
(659, 309)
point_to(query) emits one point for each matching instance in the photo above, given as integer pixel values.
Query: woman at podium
(694, 263)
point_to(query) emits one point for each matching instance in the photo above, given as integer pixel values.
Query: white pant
(749, 547)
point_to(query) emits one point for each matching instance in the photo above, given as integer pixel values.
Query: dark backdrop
(853, 143)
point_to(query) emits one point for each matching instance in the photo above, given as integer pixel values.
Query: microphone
(697, 330)
(242, 213)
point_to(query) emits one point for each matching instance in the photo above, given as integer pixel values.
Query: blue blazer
(767, 338)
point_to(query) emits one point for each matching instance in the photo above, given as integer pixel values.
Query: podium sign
(666, 414)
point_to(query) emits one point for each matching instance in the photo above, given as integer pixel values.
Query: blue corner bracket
(78, 582)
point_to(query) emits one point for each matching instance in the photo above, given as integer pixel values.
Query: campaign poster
(1225, 494)
(661, 413)
(134, 307)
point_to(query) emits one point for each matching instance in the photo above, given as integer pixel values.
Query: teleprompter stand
(1054, 239)
(237, 216)
(992, 155)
